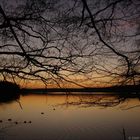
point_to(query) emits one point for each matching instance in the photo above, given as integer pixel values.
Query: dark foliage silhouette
(54, 42)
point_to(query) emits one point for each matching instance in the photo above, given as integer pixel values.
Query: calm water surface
(73, 117)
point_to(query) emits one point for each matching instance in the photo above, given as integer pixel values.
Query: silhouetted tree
(57, 40)
(32, 42)
(113, 28)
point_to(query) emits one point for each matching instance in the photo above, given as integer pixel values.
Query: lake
(70, 117)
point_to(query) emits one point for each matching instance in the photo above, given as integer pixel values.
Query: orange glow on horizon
(77, 81)
(40, 84)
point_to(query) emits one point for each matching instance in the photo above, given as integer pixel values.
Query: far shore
(8, 88)
(117, 89)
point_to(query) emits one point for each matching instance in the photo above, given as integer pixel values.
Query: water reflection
(82, 100)
(101, 100)
(71, 117)
(7, 98)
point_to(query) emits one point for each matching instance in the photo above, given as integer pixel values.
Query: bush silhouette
(8, 88)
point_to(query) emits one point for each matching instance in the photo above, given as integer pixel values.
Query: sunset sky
(69, 43)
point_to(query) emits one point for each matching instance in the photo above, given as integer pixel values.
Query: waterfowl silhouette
(9, 120)
(16, 122)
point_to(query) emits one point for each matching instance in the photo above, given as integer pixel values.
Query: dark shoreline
(10, 92)
(120, 89)
(8, 88)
